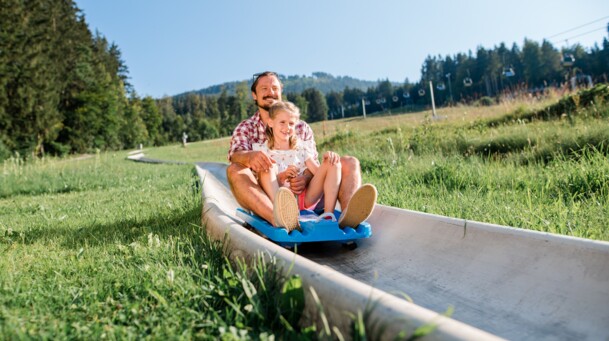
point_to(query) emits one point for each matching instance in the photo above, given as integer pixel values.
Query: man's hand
(259, 161)
(300, 182)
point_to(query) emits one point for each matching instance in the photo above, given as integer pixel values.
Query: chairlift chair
(568, 60)
(406, 95)
(468, 81)
(395, 98)
(508, 72)
(421, 92)
(441, 86)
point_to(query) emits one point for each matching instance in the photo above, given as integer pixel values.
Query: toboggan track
(502, 282)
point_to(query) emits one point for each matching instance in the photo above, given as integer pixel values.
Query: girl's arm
(312, 165)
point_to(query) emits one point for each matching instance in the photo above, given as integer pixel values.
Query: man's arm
(241, 157)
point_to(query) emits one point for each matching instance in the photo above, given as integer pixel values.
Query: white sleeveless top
(304, 150)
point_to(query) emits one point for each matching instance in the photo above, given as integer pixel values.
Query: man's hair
(273, 111)
(257, 77)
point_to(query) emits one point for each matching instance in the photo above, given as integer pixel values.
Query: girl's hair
(273, 111)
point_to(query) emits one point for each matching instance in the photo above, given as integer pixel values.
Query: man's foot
(360, 207)
(285, 210)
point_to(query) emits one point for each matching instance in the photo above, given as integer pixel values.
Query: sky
(171, 47)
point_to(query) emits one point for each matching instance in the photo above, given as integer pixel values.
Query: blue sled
(312, 230)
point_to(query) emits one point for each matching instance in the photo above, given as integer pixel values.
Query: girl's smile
(283, 125)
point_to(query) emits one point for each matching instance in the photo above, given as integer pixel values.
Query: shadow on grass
(119, 231)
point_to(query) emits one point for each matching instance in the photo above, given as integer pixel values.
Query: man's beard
(264, 105)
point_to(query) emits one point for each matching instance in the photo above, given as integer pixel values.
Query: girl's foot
(326, 216)
(360, 207)
(285, 210)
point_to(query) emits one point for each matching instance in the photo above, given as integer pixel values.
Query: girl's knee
(337, 166)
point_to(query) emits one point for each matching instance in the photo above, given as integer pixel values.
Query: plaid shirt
(252, 130)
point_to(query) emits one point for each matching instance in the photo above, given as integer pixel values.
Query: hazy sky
(175, 46)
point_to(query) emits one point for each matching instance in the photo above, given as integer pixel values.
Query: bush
(570, 104)
(58, 149)
(484, 102)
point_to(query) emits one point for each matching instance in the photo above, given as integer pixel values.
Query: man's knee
(239, 176)
(350, 164)
(232, 170)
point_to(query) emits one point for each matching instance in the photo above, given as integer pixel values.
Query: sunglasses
(256, 76)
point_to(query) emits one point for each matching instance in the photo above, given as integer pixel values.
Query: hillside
(321, 81)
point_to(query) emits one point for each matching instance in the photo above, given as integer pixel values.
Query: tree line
(65, 90)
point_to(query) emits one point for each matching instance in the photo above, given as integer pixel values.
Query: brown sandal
(360, 207)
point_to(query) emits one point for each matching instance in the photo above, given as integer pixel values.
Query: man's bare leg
(248, 192)
(351, 179)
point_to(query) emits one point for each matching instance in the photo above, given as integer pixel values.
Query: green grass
(548, 175)
(213, 150)
(109, 248)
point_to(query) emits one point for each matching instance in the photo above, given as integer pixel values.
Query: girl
(292, 156)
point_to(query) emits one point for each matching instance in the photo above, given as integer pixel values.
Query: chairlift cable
(575, 28)
(579, 35)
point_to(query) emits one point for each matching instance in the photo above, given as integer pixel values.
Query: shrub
(484, 102)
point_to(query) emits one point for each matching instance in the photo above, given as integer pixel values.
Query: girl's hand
(292, 171)
(331, 157)
(288, 174)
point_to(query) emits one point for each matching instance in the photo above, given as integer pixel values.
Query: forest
(66, 90)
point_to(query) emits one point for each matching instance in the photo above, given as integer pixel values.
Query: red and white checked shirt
(252, 130)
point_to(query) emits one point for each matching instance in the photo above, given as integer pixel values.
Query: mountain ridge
(321, 81)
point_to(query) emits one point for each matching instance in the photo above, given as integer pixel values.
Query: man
(357, 201)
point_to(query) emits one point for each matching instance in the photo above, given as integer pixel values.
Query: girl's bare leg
(268, 182)
(331, 186)
(326, 181)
